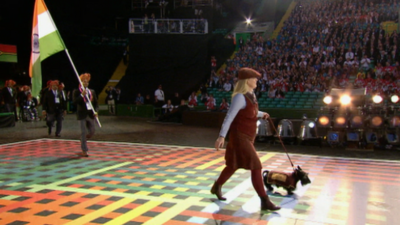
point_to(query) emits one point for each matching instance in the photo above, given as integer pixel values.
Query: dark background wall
(178, 62)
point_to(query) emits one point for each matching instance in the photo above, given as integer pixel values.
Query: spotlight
(376, 121)
(248, 21)
(377, 99)
(345, 100)
(339, 122)
(356, 122)
(394, 98)
(311, 124)
(323, 121)
(327, 100)
(394, 122)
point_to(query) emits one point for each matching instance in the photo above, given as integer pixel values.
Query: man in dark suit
(54, 107)
(9, 96)
(85, 113)
(43, 91)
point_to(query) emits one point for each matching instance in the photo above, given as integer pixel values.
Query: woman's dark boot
(216, 189)
(266, 204)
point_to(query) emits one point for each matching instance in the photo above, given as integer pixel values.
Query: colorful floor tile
(43, 182)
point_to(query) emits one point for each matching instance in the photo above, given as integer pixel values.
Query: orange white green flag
(46, 41)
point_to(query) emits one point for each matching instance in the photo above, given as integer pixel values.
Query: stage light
(345, 100)
(394, 98)
(353, 136)
(327, 100)
(371, 137)
(356, 122)
(333, 137)
(376, 121)
(339, 122)
(323, 121)
(285, 130)
(248, 21)
(394, 121)
(392, 137)
(377, 99)
(307, 130)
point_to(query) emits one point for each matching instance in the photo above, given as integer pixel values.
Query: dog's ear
(298, 167)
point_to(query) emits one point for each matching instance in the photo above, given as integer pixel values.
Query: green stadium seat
(304, 97)
(300, 102)
(308, 104)
(268, 100)
(284, 100)
(290, 106)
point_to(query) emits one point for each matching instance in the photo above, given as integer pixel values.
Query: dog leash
(290, 160)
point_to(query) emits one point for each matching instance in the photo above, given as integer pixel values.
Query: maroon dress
(240, 151)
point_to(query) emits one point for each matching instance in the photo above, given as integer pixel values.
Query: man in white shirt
(348, 63)
(227, 86)
(159, 97)
(349, 54)
(365, 61)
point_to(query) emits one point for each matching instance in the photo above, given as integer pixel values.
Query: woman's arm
(238, 103)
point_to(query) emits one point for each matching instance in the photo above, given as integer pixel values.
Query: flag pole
(80, 82)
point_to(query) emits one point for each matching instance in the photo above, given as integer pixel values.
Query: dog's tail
(265, 176)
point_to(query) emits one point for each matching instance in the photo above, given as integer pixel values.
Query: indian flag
(8, 53)
(46, 41)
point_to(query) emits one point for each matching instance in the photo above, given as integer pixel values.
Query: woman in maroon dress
(241, 121)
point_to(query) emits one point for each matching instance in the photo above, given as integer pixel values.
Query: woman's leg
(256, 179)
(226, 173)
(258, 185)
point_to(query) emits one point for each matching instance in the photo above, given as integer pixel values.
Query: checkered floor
(42, 182)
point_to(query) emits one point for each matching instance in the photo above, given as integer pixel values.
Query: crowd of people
(321, 47)
(55, 103)
(318, 48)
(172, 108)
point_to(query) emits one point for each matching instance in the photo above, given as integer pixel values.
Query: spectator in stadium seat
(227, 86)
(365, 61)
(211, 103)
(271, 92)
(224, 106)
(192, 101)
(168, 107)
(139, 99)
(176, 100)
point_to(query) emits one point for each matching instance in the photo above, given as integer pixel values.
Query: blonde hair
(241, 87)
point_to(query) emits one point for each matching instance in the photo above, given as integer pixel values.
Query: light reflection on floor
(123, 183)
